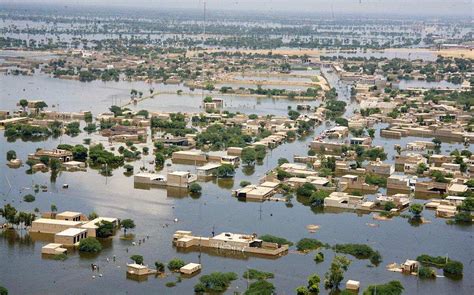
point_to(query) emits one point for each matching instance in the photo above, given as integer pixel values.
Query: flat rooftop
(57, 221)
(69, 214)
(71, 232)
(233, 237)
(52, 246)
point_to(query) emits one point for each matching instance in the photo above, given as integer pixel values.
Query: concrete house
(346, 201)
(399, 183)
(180, 178)
(70, 236)
(61, 155)
(380, 168)
(230, 242)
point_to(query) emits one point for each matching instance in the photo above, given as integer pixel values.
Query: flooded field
(155, 211)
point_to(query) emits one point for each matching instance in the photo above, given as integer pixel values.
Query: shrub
(392, 288)
(61, 257)
(416, 209)
(90, 245)
(138, 259)
(360, 251)
(105, 229)
(195, 188)
(160, 267)
(170, 284)
(260, 287)
(305, 190)
(463, 217)
(175, 264)
(319, 257)
(307, 244)
(3, 291)
(376, 180)
(254, 274)
(426, 273)
(275, 239)
(244, 183)
(29, 198)
(216, 282)
(453, 268)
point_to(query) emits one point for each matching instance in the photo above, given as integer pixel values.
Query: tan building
(180, 178)
(61, 155)
(230, 242)
(346, 201)
(380, 168)
(70, 236)
(53, 249)
(71, 216)
(190, 268)
(53, 226)
(400, 183)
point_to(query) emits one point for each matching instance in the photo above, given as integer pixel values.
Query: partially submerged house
(347, 201)
(230, 242)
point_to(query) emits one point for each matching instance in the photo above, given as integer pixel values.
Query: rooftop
(57, 221)
(71, 232)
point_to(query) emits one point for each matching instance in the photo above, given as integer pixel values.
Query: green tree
(23, 104)
(159, 266)
(11, 155)
(248, 156)
(225, 170)
(8, 212)
(391, 288)
(260, 287)
(335, 275)
(105, 229)
(282, 161)
(90, 245)
(127, 224)
(416, 210)
(138, 259)
(29, 198)
(175, 264)
(195, 188)
(159, 160)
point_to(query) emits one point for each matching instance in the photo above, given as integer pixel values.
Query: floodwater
(23, 271)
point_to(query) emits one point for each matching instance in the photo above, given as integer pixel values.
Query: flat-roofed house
(72, 216)
(231, 242)
(208, 169)
(355, 182)
(53, 249)
(399, 183)
(190, 268)
(380, 168)
(255, 192)
(346, 201)
(189, 156)
(61, 155)
(70, 236)
(180, 178)
(149, 178)
(52, 226)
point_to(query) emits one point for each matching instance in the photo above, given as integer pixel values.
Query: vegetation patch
(216, 282)
(254, 274)
(359, 251)
(392, 288)
(308, 244)
(275, 239)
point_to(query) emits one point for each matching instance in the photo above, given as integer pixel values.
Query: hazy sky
(409, 7)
